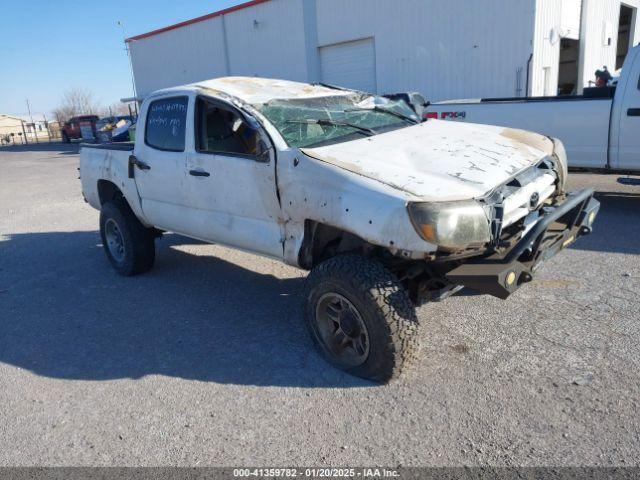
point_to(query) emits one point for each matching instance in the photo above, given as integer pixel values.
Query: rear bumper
(559, 225)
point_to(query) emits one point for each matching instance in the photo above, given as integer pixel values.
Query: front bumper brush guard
(558, 226)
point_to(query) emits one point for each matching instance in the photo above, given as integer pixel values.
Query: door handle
(199, 173)
(633, 112)
(141, 165)
(134, 162)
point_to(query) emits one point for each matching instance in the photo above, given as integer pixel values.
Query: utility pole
(24, 133)
(29, 110)
(33, 125)
(46, 124)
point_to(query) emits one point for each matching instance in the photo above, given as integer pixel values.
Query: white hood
(438, 160)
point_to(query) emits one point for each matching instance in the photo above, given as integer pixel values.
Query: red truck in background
(80, 127)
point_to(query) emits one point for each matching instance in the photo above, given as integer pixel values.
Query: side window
(166, 122)
(221, 130)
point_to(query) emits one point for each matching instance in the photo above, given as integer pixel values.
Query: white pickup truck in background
(600, 130)
(387, 212)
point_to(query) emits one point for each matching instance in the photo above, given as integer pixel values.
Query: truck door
(231, 187)
(159, 163)
(628, 114)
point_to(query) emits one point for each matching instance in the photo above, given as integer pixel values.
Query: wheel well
(322, 242)
(108, 191)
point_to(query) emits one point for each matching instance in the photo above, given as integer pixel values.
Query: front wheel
(129, 245)
(361, 318)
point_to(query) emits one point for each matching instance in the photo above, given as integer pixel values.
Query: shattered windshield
(318, 121)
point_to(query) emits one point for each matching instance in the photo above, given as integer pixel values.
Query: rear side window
(166, 122)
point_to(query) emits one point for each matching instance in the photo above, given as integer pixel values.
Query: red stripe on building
(242, 6)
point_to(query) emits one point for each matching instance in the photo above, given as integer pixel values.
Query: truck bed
(581, 122)
(589, 94)
(122, 146)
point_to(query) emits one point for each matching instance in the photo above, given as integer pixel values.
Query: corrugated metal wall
(571, 14)
(266, 40)
(452, 49)
(555, 19)
(599, 19)
(546, 50)
(443, 49)
(179, 56)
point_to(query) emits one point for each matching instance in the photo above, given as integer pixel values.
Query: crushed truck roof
(256, 90)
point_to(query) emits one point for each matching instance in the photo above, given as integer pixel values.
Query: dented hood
(439, 160)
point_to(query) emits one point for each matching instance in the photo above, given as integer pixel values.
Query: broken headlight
(451, 225)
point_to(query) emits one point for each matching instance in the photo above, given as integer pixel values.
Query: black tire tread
(139, 240)
(380, 289)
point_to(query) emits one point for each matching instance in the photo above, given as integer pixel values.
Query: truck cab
(80, 127)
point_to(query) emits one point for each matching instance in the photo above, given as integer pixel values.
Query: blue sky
(48, 46)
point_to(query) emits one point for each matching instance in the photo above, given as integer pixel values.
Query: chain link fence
(24, 133)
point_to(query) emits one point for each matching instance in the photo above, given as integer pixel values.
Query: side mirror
(264, 152)
(252, 122)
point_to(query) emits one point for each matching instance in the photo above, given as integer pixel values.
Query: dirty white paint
(583, 126)
(361, 186)
(112, 165)
(433, 161)
(260, 90)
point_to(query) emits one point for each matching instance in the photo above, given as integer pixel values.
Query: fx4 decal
(446, 115)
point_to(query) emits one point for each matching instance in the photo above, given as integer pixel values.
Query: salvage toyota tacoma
(385, 211)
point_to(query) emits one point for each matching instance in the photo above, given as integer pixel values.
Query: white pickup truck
(385, 211)
(600, 129)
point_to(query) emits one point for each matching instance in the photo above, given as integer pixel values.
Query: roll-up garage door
(350, 64)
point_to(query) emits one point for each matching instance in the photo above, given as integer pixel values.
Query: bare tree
(115, 109)
(76, 101)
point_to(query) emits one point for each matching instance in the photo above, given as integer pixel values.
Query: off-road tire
(384, 306)
(138, 241)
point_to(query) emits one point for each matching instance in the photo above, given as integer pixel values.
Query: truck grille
(528, 198)
(524, 194)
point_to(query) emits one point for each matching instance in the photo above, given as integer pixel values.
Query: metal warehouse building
(444, 49)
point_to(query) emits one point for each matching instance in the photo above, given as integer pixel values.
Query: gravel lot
(206, 361)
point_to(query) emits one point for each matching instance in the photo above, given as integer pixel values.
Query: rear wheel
(361, 318)
(129, 245)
